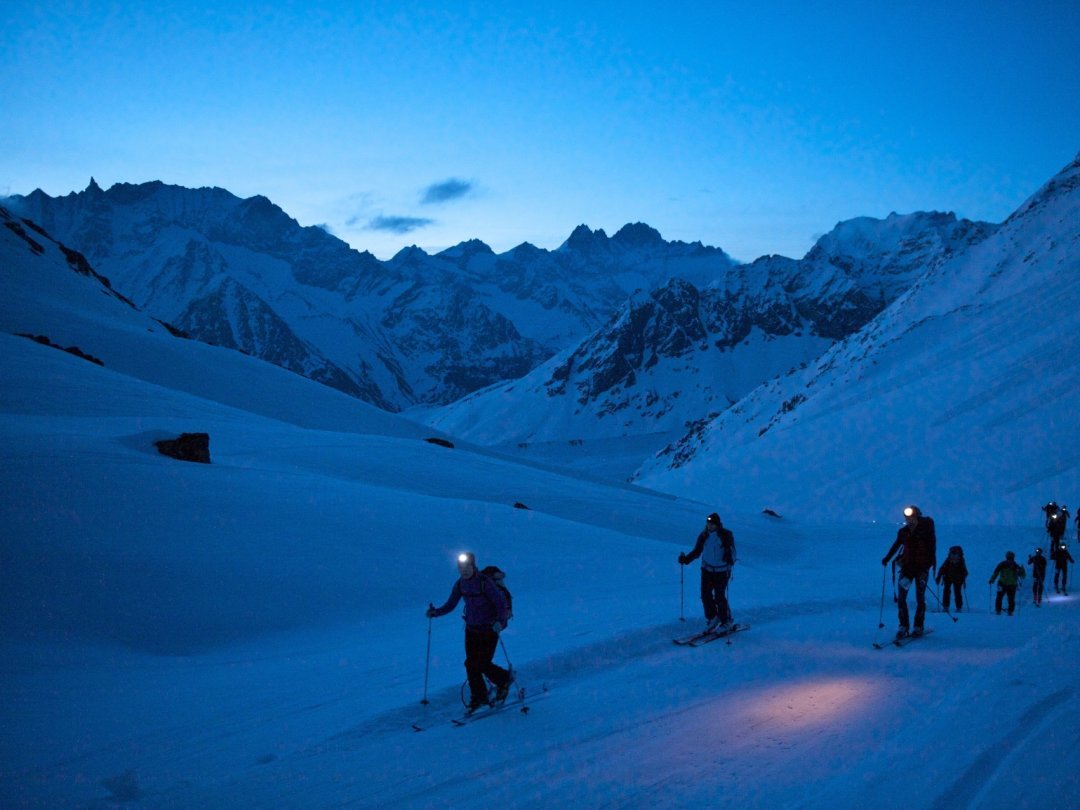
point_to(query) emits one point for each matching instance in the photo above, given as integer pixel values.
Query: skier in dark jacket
(1061, 558)
(485, 617)
(953, 572)
(918, 540)
(1008, 575)
(1056, 522)
(1038, 575)
(716, 547)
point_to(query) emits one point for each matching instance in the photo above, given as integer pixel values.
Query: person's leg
(475, 650)
(901, 602)
(708, 595)
(920, 600)
(723, 608)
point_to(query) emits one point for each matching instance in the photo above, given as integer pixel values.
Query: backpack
(498, 577)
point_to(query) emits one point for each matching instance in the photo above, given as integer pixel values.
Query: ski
(903, 642)
(517, 700)
(692, 638)
(899, 642)
(708, 636)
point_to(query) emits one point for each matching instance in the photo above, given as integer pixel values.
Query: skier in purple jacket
(485, 617)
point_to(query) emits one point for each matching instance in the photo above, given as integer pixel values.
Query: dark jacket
(1061, 558)
(1038, 566)
(919, 544)
(484, 602)
(953, 570)
(718, 550)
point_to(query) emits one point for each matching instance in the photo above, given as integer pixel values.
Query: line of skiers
(488, 602)
(915, 549)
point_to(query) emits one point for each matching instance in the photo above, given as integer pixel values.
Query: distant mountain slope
(415, 329)
(680, 353)
(961, 396)
(51, 292)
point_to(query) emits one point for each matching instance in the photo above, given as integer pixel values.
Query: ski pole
(427, 664)
(509, 663)
(881, 613)
(682, 592)
(934, 594)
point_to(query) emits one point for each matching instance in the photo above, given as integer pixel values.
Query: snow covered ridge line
(979, 352)
(423, 329)
(673, 355)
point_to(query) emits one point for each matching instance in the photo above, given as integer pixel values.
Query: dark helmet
(1038, 551)
(714, 519)
(467, 557)
(1010, 555)
(912, 511)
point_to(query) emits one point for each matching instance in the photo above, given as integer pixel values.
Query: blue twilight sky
(754, 127)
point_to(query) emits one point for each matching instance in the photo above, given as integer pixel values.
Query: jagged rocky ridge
(677, 354)
(415, 329)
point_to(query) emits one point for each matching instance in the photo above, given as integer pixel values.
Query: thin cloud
(446, 191)
(399, 224)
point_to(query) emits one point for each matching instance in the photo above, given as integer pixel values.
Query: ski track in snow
(973, 782)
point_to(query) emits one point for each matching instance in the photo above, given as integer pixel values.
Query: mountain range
(960, 395)
(422, 329)
(417, 329)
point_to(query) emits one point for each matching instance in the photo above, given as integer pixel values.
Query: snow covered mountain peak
(979, 352)
(691, 346)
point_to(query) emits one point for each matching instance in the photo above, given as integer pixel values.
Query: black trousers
(480, 646)
(902, 589)
(714, 595)
(1003, 591)
(1037, 589)
(949, 586)
(1063, 575)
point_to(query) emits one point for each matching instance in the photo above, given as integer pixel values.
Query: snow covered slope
(961, 396)
(679, 354)
(251, 633)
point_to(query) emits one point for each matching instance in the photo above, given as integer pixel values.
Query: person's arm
(699, 546)
(895, 546)
(451, 603)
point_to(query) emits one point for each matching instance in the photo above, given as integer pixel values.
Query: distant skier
(485, 617)
(953, 573)
(716, 547)
(1008, 575)
(1056, 522)
(1038, 575)
(917, 543)
(1061, 558)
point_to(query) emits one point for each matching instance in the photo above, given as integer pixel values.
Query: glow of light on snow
(807, 704)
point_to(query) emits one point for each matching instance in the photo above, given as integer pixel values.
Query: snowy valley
(251, 632)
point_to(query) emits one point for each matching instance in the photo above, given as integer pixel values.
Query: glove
(430, 612)
(682, 558)
(989, 582)
(497, 627)
(884, 560)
